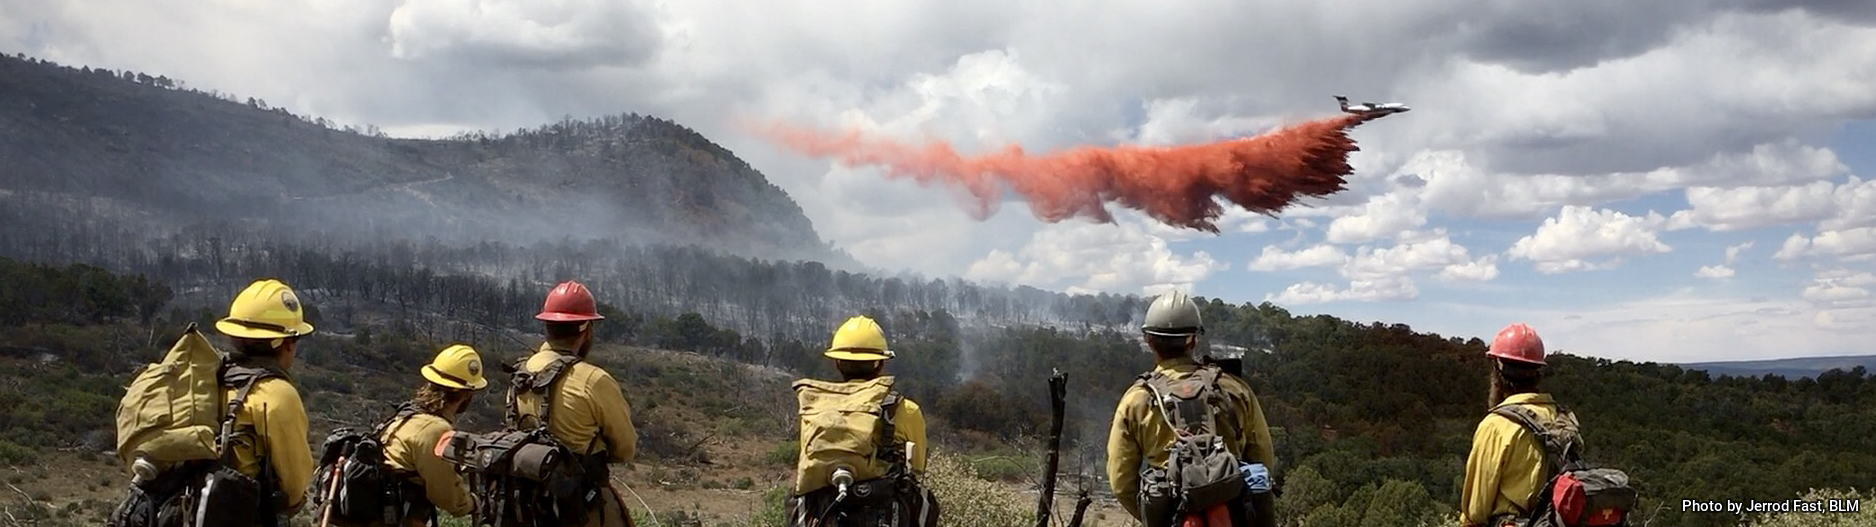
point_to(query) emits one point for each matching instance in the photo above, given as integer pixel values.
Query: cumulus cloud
(1724, 270)
(1389, 289)
(1384, 216)
(1568, 241)
(1376, 274)
(1274, 259)
(1089, 258)
(1840, 288)
(1714, 271)
(1851, 244)
(1835, 206)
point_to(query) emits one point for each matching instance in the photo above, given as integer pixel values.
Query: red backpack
(1575, 494)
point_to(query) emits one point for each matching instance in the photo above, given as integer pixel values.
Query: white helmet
(1173, 314)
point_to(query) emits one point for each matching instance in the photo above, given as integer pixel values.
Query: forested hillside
(132, 156)
(1372, 421)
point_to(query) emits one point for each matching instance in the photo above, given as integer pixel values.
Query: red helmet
(569, 302)
(1518, 342)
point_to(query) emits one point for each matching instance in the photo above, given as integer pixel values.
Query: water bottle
(1263, 505)
(142, 471)
(1256, 476)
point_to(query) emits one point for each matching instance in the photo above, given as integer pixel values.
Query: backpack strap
(405, 411)
(1558, 455)
(1208, 398)
(1559, 452)
(547, 383)
(243, 379)
(888, 411)
(544, 382)
(1174, 409)
(1154, 383)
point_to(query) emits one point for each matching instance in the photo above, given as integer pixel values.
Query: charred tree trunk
(1081, 508)
(1058, 393)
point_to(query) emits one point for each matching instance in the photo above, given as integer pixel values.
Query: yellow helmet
(859, 339)
(457, 366)
(267, 309)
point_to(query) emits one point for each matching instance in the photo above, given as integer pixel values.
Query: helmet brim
(1503, 356)
(1172, 332)
(229, 327)
(430, 373)
(858, 355)
(566, 317)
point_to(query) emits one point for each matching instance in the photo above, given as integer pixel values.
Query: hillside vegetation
(137, 157)
(1364, 414)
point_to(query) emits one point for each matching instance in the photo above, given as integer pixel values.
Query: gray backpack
(1201, 471)
(1575, 493)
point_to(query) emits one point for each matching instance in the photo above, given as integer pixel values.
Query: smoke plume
(1176, 185)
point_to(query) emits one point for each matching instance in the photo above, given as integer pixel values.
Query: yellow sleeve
(1480, 490)
(1123, 458)
(441, 484)
(1260, 448)
(615, 418)
(909, 424)
(287, 447)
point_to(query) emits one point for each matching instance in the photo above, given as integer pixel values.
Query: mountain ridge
(142, 150)
(1793, 367)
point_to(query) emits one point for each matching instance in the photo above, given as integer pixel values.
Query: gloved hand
(1256, 477)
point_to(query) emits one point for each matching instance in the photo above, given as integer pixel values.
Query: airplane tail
(1342, 100)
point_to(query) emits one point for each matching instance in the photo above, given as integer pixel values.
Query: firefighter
(1506, 466)
(264, 325)
(831, 435)
(590, 415)
(1140, 433)
(433, 484)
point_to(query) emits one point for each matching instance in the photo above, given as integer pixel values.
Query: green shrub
(785, 454)
(966, 500)
(14, 454)
(1006, 468)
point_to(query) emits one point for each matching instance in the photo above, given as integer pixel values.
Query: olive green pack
(172, 409)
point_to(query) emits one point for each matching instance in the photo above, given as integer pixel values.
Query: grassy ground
(716, 445)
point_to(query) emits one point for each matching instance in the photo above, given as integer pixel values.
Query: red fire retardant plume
(1176, 185)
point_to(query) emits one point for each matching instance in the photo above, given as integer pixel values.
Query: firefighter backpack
(1575, 494)
(1202, 477)
(354, 479)
(850, 425)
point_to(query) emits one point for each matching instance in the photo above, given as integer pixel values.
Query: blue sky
(1580, 165)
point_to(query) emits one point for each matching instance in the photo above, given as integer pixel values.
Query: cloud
(1389, 289)
(1733, 252)
(1841, 288)
(1089, 257)
(1384, 216)
(1853, 244)
(1376, 274)
(563, 35)
(1835, 206)
(1274, 259)
(1725, 269)
(1483, 270)
(1565, 243)
(1714, 271)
